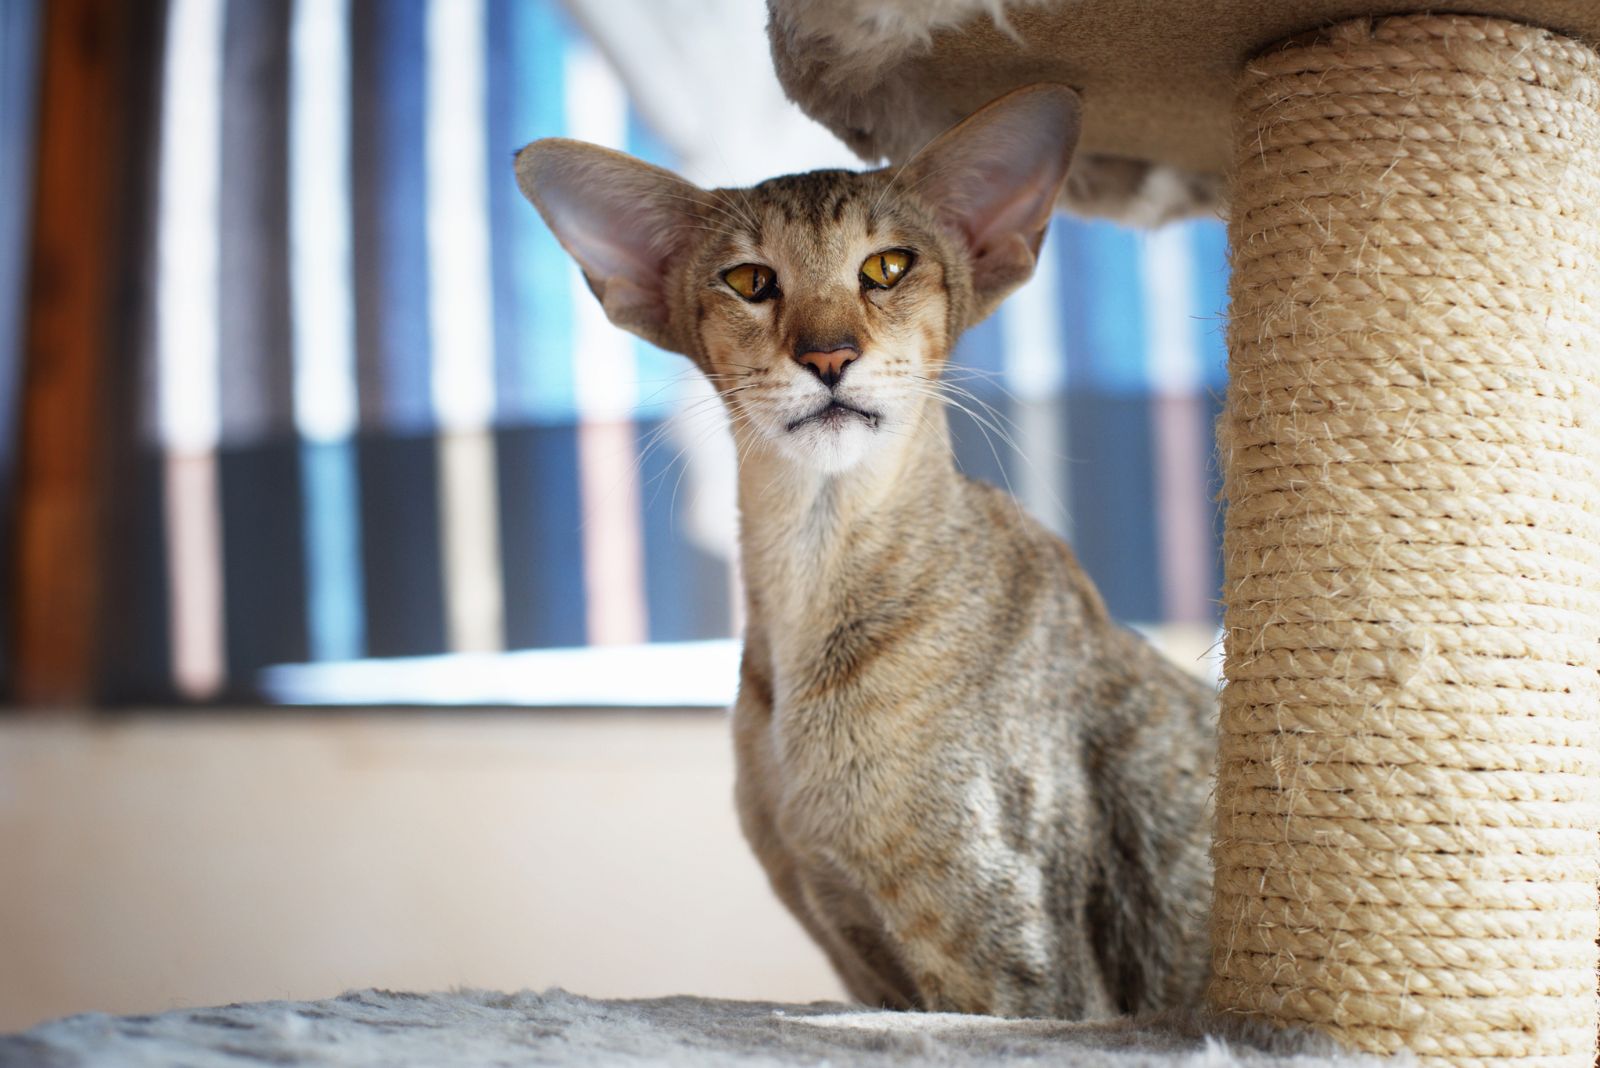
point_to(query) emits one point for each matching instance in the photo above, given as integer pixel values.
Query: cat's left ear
(622, 219)
(994, 178)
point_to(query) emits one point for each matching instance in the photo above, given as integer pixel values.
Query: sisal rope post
(1407, 784)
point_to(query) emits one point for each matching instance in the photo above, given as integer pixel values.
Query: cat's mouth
(835, 413)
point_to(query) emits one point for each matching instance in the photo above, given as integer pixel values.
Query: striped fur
(974, 790)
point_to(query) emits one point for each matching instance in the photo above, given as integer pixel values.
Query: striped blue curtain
(369, 431)
(1108, 371)
(369, 434)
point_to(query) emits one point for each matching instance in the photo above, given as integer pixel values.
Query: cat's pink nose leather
(828, 366)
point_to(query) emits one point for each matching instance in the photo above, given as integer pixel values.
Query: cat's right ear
(622, 219)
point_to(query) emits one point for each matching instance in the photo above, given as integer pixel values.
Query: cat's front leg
(983, 927)
(835, 918)
(854, 945)
(845, 924)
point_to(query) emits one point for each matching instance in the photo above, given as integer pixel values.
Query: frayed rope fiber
(1408, 780)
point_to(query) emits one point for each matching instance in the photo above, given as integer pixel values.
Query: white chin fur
(832, 448)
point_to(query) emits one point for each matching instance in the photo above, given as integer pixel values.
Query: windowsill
(663, 675)
(701, 674)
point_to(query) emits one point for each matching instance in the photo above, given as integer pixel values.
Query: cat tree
(1407, 797)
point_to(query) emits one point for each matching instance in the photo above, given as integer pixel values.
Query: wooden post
(90, 212)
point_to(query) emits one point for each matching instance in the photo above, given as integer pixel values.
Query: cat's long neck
(810, 540)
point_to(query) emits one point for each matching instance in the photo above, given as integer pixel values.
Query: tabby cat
(975, 791)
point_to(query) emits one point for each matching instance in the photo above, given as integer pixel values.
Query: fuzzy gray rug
(473, 1027)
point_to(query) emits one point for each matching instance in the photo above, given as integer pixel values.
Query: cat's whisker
(932, 172)
(666, 433)
(663, 385)
(707, 201)
(710, 229)
(872, 214)
(747, 210)
(1053, 499)
(993, 379)
(728, 217)
(998, 418)
(684, 416)
(679, 462)
(983, 428)
(986, 426)
(683, 468)
(983, 423)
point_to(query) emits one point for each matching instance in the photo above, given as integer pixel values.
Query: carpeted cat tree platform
(1406, 807)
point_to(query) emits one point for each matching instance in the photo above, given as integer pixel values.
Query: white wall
(158, 862)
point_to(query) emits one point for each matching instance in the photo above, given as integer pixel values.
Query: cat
(975, 791)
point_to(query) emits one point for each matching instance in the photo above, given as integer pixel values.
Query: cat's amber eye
(751, 281)
(883, 269)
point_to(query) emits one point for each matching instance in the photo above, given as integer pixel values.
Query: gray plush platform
(398, 1030)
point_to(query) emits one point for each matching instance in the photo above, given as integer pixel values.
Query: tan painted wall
(159, 862)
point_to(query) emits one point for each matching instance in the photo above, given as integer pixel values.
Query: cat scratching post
(1405, 841)
(1408, 778)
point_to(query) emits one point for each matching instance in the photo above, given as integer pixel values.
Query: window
(391, 449)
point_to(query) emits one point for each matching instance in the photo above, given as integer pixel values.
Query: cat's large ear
(622, 219)
(994, 178)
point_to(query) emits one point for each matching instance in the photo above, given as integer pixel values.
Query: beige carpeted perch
(1409, 783)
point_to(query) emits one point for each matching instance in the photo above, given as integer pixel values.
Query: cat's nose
(829, 366)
